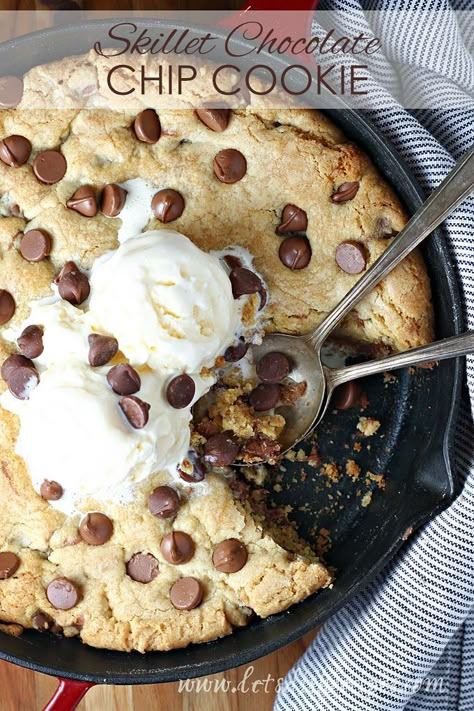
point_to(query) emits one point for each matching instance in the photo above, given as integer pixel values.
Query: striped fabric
(407, 641)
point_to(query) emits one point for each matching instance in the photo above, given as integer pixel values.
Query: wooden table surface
(23, 690)
(255, 684)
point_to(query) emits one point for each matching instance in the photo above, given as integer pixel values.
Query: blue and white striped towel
(407, 641)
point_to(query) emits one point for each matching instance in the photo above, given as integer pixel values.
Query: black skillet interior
(412, 450)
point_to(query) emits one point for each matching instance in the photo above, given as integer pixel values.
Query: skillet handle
(298, 24)
(68, 695)
(279, 5)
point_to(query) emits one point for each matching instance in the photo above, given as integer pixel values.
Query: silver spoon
(305, 351)
(306, 414)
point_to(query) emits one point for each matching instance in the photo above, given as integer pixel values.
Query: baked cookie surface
(293, 158)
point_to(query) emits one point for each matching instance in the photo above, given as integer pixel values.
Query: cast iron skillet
(414, 453)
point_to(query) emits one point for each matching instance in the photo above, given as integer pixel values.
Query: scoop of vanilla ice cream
(95, 452)
(168, 303)
(171, 308)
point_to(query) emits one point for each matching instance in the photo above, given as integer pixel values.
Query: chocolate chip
(73, 286)
(215, 119)
(68, 267)
(142, 567)
(11, 92)
(51, 490)
(346, 191)
(221, 450)
(273, 367)
(22, 381)
(13, 211)
(244, 281)
(191, 469)
(45, 623)
(351, 257)
(229, 556)
(167, 205)
(346, 395)
(84, 201)
(96, 528)
(230, 166)
(12, 363)
(163, 502)
(186, 594)
(101, 349)
(237, 352)
(49, 167)
(124, 380)
(42, 622)
(232, 261)
(260, 448)
(293, 219)
(180, 391)
(177, 547)
(7, 306)
(295, 252)
(35, 245)
(30, 342)
(9, 564)
(147, 126)
(383, 229)
(135, 410)
(207, 427)
(15, 150)
(63, 594)
(264, 397)
(113, 200)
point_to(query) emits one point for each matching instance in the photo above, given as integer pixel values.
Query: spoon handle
(439, 350)
(453, 190)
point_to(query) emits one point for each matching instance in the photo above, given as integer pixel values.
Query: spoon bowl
(321, 380)
(306, 366)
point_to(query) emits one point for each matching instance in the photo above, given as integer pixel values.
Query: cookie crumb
(291, 392)
(368, 426)
(330, 471)
(257, 474)
(378, 479)
(323, 542)
(352, 469)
